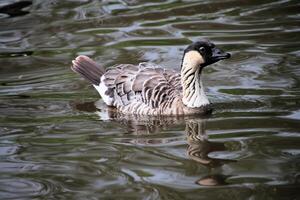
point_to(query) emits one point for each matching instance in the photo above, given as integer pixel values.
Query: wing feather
(144, 83)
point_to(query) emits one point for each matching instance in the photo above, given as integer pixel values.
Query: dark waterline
(57, 140)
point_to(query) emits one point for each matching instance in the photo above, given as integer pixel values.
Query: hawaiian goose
(148, 89)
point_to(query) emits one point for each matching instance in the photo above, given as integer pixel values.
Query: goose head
(197, 56)
(203, 53)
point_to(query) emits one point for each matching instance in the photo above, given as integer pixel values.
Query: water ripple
(57, 142)
(15, 188)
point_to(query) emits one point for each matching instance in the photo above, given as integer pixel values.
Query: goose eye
(201, 49)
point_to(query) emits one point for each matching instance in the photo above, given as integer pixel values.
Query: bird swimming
(148, 89)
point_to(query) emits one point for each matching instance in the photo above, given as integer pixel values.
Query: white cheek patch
(102, 88)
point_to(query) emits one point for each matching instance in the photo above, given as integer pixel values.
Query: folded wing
(150, 84)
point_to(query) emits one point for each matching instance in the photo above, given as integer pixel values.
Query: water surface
(56, 141)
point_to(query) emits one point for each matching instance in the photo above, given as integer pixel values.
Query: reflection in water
(199, 146)
(15, 9)
(212, 180)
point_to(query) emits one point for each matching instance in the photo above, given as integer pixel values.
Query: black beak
(217, 55)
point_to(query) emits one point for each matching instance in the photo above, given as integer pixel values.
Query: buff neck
(193, 91)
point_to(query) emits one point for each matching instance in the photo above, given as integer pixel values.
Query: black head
(209, 52)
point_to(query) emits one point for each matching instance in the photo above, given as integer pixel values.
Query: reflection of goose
(198, 144)
(212, 180)
(150, 90)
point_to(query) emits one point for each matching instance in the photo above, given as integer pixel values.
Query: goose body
(148, 89)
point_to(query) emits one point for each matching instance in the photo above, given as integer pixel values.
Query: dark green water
(55, 144)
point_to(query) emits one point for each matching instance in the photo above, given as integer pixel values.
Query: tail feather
(88, 69)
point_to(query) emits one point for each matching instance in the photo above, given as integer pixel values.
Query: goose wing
(145, 83)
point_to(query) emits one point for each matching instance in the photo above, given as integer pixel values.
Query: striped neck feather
(193, 91)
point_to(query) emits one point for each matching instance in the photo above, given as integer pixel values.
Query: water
(55, 143)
